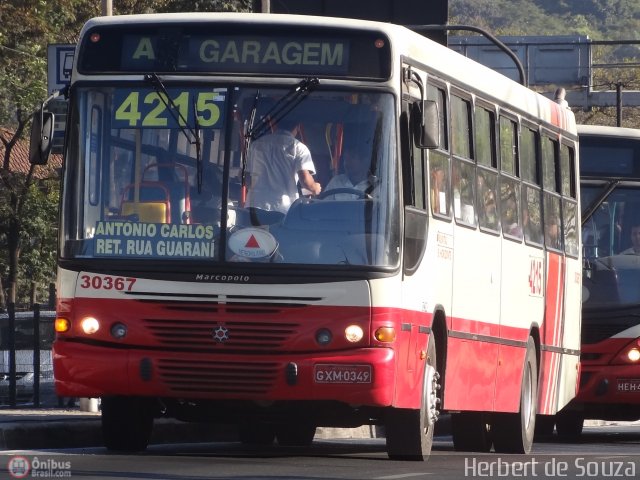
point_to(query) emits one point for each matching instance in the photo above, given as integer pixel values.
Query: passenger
(552, 231)
(357, 175)
(635, 242)
(275, 163)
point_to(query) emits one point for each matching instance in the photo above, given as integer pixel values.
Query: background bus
(452, 285)
(610, 190)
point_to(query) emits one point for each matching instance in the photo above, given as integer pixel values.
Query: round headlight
(633, 354)
(89, 325)
(353, 333)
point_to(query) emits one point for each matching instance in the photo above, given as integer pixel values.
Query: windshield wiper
(173, 109)
(281, 108)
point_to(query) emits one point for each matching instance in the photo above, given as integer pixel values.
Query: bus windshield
(179, 172)
(611, 237)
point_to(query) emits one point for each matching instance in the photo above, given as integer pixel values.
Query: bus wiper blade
(283, 106)
(173, 109)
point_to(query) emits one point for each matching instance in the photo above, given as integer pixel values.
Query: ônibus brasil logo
(19, 467)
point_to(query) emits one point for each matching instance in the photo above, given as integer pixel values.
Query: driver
(357, 176)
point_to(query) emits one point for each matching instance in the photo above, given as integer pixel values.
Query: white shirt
(343, 181)
(274, 162)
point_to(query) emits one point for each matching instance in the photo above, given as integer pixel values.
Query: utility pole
(107, 8)
(619, 104)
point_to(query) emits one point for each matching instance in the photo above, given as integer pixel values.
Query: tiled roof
(19, 161)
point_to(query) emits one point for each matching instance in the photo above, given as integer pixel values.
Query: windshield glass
(189, 173)
(611, 243)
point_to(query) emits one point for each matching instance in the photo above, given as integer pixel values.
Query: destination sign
(193, 48)
(230, 54)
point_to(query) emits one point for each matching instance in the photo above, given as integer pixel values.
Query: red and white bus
(452, 286)
(610, 379)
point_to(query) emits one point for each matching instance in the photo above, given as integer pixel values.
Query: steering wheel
(350, 191)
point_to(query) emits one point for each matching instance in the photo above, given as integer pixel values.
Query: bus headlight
(353, 333)
(89, 325)
(633, 355)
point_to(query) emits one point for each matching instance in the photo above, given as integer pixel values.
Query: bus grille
(229, 335)
(199, 378)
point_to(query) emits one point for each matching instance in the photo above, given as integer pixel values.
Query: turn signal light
(385, 334)
(61, 325)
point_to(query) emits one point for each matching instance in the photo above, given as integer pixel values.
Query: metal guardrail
(25, 355)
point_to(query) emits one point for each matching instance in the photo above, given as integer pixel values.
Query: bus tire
(544, 426)
(514, 432)
(256, 433)
(409, 432)
(295, 435)
(569, 425)
(127, 423)
(471, 431)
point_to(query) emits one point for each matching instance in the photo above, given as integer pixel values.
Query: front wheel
(295, 435)
(409, 432)
(513, 432)
(127, 423)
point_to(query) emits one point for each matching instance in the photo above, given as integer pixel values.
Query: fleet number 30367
(107, 282)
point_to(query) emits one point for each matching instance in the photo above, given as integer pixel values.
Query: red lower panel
(90, 371)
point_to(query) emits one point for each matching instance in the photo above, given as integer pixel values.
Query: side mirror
(426, 124)
(41, 137)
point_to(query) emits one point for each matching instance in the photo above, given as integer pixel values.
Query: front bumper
(83, 370)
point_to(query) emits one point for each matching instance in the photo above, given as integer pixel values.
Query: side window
(569, 203)
(508, 146)
(484, 137)
(464, 181)
(551, 198)
(460, 127)
(528, 156)
(418, 176)
(486, 199)
(531, 214)
(439, 170)
(510, 207)
(439, 183)
(439, 96)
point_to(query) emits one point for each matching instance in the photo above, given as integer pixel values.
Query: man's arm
(308, 182)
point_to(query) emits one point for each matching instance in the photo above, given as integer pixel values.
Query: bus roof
(447, 63)
(608, 131)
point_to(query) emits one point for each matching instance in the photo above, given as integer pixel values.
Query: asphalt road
(603, 452)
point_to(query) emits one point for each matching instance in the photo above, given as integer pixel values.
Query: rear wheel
(513, 432)
(127, 423)
(409, 432)
(471, 431)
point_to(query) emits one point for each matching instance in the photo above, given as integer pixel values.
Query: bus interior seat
(176, 179)
(152, 206)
